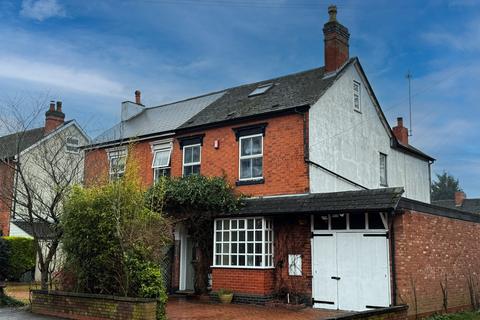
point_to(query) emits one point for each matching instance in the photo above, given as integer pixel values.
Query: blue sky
(94, 54)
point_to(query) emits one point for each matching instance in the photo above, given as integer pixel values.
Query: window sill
(249, 182)
(241, 267)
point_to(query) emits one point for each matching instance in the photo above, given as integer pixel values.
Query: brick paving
(181, 308)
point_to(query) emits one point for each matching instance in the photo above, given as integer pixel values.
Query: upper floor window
(356, 96)
(191, 159)
(383, 170)
(118, 163)
(251, 157)
(72, 144)
(161, 160)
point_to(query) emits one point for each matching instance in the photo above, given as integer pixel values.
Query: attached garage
(350, 265)
(361, 250)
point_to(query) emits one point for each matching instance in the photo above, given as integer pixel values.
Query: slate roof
(470, 205)
(14, 143)
(346, 201)
(44, 230)
(287, 92)
(158, 119)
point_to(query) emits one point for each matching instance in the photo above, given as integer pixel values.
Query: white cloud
(75, 79)
(466, 40)
(41, 9)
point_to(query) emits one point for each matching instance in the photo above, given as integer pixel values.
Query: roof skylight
(261, 89)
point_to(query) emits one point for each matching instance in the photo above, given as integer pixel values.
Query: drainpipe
(392, 253)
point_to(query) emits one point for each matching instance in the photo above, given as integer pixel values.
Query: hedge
(21, 257)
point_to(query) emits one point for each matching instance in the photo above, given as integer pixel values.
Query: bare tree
(41, 174)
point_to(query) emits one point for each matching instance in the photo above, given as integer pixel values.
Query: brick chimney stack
(54, 117)
(400, 132)
(459, 197)
(336, 42)
(138, 97)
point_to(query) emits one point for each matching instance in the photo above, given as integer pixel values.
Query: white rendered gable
(349, 144)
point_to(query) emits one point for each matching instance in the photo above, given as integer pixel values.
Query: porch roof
(384, 199)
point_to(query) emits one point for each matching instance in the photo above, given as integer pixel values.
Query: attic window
(261, 89)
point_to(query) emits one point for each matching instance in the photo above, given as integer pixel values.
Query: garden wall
(91, 306)
(437, 261)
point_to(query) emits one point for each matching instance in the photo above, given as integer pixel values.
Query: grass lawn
(457, 316)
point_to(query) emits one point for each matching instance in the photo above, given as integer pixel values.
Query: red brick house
(340, 214)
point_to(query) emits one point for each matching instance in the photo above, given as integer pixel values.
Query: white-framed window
(350, 221)
(162, 153)
(251, 157)
(118, 162)
(261, 89)
(72, 144)
(191, 159)
(383, 170)
(243, 243)
(357, 96)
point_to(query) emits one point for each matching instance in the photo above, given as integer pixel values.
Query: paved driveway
(179, 309)
(19, 314)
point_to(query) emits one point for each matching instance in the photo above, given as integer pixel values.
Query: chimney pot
(59, 106)
(400, 122)
(52, 105)
(138, 97)
(459, 198)
(332, 12)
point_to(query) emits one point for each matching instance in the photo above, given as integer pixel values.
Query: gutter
(335, 174)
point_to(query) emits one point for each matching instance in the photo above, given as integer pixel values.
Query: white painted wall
(348, 143)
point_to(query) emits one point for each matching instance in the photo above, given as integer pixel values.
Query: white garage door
(351, 270)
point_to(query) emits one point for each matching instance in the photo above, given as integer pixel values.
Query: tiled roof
(470, 205)
(287, 92)
(12, 144)
(346, 201)
(158, 119)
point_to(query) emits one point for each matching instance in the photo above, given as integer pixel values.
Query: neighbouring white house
(37, 166)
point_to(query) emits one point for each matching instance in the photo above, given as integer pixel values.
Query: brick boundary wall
(83, 306)
(245, 298)
(432, 251)
(391, 313)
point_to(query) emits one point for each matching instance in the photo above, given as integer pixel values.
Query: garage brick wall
(431, 251)
(293, 236)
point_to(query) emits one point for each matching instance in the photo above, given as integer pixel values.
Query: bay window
(243, 243)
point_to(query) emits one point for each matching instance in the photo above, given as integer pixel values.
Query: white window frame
(358, 95)
(71, 145)
(199, 163)
(265, 255)
(240, 157)
(161, 146)
(383, 172)
(115, 154)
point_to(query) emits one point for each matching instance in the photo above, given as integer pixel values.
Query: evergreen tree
(445, 187)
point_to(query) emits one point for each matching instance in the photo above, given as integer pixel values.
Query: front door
(187, 256)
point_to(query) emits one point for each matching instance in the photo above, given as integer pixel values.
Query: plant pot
(225, 298)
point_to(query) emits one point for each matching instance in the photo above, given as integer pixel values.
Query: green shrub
(6, 301)
(21, 258)
(473, 315)
(4, 254)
